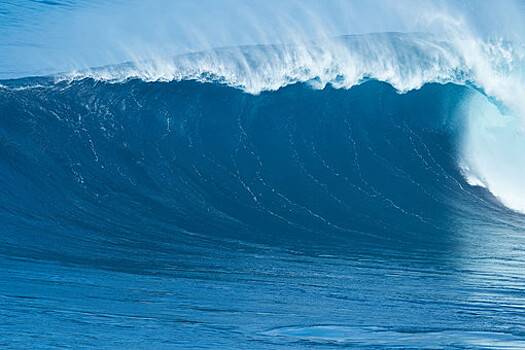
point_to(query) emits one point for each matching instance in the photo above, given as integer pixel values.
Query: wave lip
(406, 61)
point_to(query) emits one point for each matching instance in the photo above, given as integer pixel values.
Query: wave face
(199, 212)
(366, 162)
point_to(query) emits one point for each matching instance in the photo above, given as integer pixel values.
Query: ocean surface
(365, 192)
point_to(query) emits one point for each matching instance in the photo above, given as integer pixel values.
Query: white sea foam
(407, 62)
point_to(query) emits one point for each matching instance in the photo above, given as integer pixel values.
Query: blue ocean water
(360, 192)
(194, 215)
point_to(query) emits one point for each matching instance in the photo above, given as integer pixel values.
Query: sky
(47, 36)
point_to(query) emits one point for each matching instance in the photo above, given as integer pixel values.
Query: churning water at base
(159, 215)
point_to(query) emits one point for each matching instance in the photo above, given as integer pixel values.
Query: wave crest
(405, 61)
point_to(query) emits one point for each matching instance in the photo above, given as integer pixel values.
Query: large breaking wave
(491, 120)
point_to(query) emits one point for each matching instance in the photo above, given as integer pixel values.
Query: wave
(405, 61)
